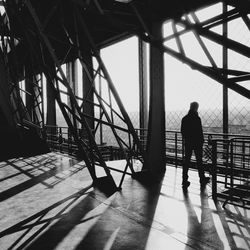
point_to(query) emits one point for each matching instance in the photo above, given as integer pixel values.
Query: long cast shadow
(30, 224)
(201, 234)
(54, 230)
(129, 211)
(130, 216)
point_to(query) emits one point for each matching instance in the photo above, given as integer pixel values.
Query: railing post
(232, 161)
(214, 169)
(176, 148)
(60, 139)
(243, 153)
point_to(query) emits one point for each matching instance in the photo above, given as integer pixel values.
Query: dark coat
(191, 129)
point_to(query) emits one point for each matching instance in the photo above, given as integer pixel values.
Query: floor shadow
(201, 232)
(63, 215)
(127, 224)
(51, 235)
(31, 167)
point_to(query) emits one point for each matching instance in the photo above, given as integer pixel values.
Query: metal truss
(231, 78)
(75, 38)
(42, 53)
(24, 115)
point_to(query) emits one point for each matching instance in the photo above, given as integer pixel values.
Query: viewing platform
(49, 202)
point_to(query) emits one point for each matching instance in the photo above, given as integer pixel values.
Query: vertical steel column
(5, 101)
(75, 77)
(29, 91)
(155, 157)
(87, 87)
(143, 84)
(51, 105)
(71, 78)
(214, 169)
(143, 88)
(225, 67)
(71, 74)
(75, 81)
(100, 109)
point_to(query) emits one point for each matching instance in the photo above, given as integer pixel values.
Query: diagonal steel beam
(111, 84)
(202, 44)
(207, 24)
(207, 71)
(231, 44)
(201, 68)
(178, 39)
(55, 60)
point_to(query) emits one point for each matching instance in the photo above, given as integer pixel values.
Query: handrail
(205, 133)
(174, 142)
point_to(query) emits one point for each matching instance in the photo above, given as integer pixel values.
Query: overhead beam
(231, 44)
(203, 69)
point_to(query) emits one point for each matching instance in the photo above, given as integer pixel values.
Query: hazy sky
(121, 61)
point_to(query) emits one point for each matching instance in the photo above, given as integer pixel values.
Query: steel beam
(51, 105)
(143, 84)
(231, 44)
(110, 83)
(87, 87)
(155, 160)
(225, 67)
(5, 102)
(207, 71)
(74, 102)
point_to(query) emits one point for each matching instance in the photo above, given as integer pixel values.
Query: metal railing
(225, 156)
(60, 139)
(175, 146)
(231, 170)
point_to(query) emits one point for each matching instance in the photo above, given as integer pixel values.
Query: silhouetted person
(192, 134)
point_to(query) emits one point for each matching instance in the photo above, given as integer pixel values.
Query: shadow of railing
(236, 224)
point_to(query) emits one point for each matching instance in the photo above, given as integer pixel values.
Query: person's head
(194, 106)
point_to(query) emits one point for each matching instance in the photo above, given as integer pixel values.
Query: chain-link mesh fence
(239, 106)
(183, 86)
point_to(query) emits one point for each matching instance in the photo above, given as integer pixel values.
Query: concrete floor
(47, 202)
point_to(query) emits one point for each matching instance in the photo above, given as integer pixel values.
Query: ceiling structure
(108, 21)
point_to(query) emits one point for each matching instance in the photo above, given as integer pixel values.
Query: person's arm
(201, 131)
(183, 129)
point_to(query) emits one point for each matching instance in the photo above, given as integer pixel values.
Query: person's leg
(198, 155)
(188, 154)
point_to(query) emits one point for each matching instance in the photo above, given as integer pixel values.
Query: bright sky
(121, 61)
